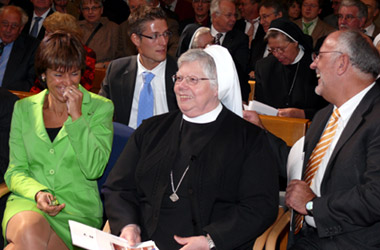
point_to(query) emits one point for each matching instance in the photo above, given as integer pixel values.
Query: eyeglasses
(201, 1)
(94, 8)
(190, 80)
(13, 26)
(155, 36)
(348, 17)
(315, 55)
(278, 50)
(229, 15)
(265, 16)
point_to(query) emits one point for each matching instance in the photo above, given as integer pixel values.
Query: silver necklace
(174, 197)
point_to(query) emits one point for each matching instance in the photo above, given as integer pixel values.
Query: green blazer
(67, 167)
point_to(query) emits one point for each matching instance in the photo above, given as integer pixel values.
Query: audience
(141, 86)
(99, 33)
(352, 15)
(17, 50)
(201, 15)
(181, 8)
(310, 23)
(370, 28)
(284, 79)
(332, 19)
(250, 21)
(223, 18)
(68, 23)
(335, 204)
(294, 9)
(201, 38)
(41, 10)
(177, 167)
(60, 142)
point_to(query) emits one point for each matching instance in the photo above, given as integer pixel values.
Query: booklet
(261, 108)
(94, 239)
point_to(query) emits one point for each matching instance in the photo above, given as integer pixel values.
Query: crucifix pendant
(174, 197)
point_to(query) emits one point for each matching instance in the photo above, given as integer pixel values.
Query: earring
(43, 78)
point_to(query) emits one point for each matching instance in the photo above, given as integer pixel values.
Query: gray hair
(206, 62)
(215, 4)
(363, 55)
(199, 32)
(363, 10)
(24, 17)
(100, 2)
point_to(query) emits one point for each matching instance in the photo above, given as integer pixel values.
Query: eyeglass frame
(6, 24)
(93, 8)
(278, 50)
(190, 80)
(315, 54)
(230, 15)
(265, 16)
(166, 35)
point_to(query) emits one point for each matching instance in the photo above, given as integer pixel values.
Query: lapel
(128, 83)
(355, 121)
(171, 68)
(36, 116)
(228, 40)
(15, 58)
(318, 30)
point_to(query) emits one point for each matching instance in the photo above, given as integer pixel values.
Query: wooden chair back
(252, 93)
(21, 94)
(288, 129)
(278, 236)
(100, 73)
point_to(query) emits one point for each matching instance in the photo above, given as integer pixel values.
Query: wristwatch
(309, 207)
(210, 242)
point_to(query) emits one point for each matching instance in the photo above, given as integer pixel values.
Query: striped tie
(317, 157)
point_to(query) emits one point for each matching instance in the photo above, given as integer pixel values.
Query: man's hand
(131, 233)
(192, 243)
(298, 193)
(291, 112)
(253, 117)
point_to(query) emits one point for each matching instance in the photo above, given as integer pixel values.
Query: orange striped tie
(317, 157)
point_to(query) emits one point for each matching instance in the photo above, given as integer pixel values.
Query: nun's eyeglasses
(190, 80)
(278, 50)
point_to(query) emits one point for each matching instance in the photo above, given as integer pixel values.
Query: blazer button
(51, 151)
(51, 171)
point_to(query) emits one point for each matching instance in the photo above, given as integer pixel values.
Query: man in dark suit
(339, 191)
(17, 59)
(42, 9)
(124, 81)
(223, 18)
(250, 21)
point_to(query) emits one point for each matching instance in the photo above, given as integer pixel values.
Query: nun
(284, 79)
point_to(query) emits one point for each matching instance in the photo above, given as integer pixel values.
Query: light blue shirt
(4, 60)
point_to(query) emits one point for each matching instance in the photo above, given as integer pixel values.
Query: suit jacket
(347, 214)
(41, 34)
(320, 30)
(67, 167)
(19, 73)
(237, 44)
(7, 101)
(119, 86)
(232, 187)
(273, 85)
(257, 50)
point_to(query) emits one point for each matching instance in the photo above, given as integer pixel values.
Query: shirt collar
(299, 56)
(205, 118)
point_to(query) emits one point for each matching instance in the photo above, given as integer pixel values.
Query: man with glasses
(336, 202)
(310, 23)
(100, 34)
(17, 50)
(284, 79)
(41, 9)
(223, 18)
(269, 10)
(141, 86)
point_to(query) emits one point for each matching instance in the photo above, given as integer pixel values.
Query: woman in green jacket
(60, 142)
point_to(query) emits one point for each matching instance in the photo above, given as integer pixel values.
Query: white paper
(295, 160)
(93, 239)
(261, 108)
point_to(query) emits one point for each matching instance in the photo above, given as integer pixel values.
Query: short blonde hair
(64, 22)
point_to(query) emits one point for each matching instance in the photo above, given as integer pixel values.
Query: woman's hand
(132, 234)
(74, 102)
(45, 202)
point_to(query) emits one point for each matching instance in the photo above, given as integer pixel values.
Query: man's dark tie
(2, 45)
(217, 38)
(34, 31)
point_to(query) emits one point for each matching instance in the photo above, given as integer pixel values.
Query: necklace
(174, 197)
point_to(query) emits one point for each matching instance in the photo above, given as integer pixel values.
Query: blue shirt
(4, 60)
